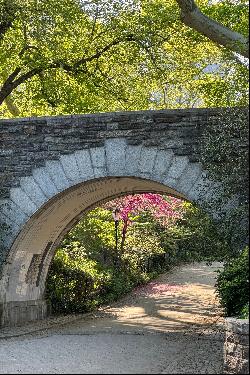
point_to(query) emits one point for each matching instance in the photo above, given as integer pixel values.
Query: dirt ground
(173, 325)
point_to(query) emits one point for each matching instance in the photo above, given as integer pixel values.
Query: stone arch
(47, 203)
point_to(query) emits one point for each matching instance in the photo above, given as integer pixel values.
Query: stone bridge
(53, 169)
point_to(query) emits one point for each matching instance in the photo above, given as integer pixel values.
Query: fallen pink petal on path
(155, 289)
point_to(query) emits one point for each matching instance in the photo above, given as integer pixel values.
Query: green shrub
(77, 284)
(74, 283)
(233, 285)
(244, 312)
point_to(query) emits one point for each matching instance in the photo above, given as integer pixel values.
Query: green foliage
(244, 312)
(199, 237)
(85, 272)
(233, 285)
(225, 157)
(195, 237)
(74, 282)
(225, 151)
(71, 56)
(94, 233)
(77, 284)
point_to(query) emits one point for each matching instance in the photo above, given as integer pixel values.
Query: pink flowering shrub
(166, 210)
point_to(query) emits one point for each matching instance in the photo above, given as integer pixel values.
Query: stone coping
(174, 111)
(240, 326)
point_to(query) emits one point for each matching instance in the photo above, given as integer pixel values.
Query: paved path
(170, 326)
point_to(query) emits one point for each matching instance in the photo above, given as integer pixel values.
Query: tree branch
(10, 104)
(98, 54)
(221, 35)
(12, 82)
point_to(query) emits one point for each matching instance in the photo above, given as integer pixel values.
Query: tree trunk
(221, 35)
(12, 108)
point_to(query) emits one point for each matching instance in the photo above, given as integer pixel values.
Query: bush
(233, 285)
(78, 284)
(74, 283)
(244, 312)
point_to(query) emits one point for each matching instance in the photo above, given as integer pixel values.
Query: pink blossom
(156, 289)
(164, 210)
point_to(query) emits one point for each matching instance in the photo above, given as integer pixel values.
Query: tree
(164, 209)
(72, 56)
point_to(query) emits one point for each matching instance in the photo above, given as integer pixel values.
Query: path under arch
(171, 326)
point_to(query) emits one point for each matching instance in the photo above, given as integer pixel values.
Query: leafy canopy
(73, 56)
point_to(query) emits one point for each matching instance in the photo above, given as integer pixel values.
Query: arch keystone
(115, 153)
(98, 158)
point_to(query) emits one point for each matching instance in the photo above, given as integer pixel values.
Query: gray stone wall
(236, 347)
(18, 313)
(28, 143)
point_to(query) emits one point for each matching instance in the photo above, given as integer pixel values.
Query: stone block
(237, 338)
(44, 181)
(98, 157)
(9, 234)
(19, 312)
(115, 154)
(70, 167)
(199, 189)
(235, 325)
(147, 159)
(13, 212)
(177, 167)
(33, 190)
(189, 177)
(84, 164)
(162, 162)
(133, 154)
(21, 199)
(236, 347)
(57, 175)
(170, 182)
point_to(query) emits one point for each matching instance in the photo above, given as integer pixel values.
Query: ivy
(225, 157)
